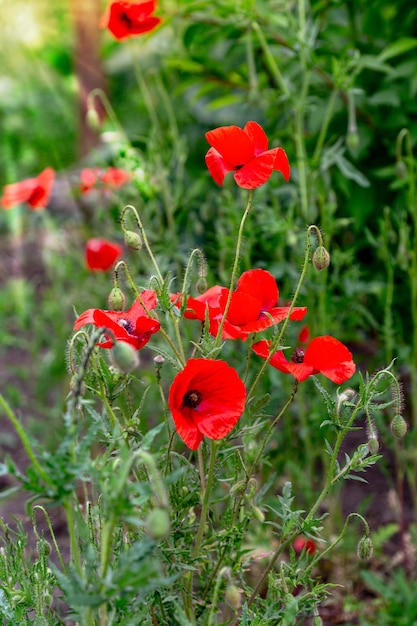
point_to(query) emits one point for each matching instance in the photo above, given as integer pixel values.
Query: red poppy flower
(91, 177)
(124, 19)
(302, 543)
(114, 177)
(206, 399)
(246, 153)
(324, 355)
(133, 326)
(252, 307)
(101, 255)
(34, 191)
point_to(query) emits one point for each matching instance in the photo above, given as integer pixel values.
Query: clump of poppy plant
(323, 355)
(35, 192)
(244, 152)
(253, 306)
(126, 19)
(134, 326)
(206, 399)
(101, 254)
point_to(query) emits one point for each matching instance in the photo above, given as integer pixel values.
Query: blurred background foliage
(333, 81)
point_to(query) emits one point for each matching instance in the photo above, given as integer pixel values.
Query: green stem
(202, 524)
(270, 60)
(278, 341)
(324, 127)
(24, 439)
(218, 339)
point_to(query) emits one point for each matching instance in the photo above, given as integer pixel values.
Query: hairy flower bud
(233, 597)
(258, 514)
(401, 170)
(321, 258)
(373, 445)
(124, 357)
(43, 547)
(158, 523)
(201, 284)
(133, 240)
(365, 549)
(352, 140)
(116, 299)
(399, 426)
(317, 621)
(93, 119)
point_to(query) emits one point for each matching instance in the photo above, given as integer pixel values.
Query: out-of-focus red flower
(324, 355)
(302, 543)
(134, 326)
(252, 307)
(94, 177)
(206, 399)
(245, 152)
(101, 255)
(125, 19)
(304, 334)
(114, 177)
(34, 191)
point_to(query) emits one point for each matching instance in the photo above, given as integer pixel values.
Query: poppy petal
(330, 357)
(234, 145)
(281, 162)
(217, 166)
(261, 285)
(256, 171)
(221, 401)
(258, 137)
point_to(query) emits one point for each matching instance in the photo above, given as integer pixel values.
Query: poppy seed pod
(133, 240)
(321, 258)
(124, 357)
(116, 299)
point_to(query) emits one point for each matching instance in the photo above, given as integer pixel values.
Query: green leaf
(351, 172)
(405, 44)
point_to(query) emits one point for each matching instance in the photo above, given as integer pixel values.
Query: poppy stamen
(192, 399)
(298, 356)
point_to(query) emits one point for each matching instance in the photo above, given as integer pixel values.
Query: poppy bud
(74, 385)
(233, 597)
(201, 285)
(373, 445)
(133, 240)
(258, 514)
(399, 426)
(43, 547)
(365, 549)
(47, 598)
(116, 299)
(93, 119)
(352, 140)
(124, 357)
(317, 621)
(321, 258)
(401, 170)
(158, 523)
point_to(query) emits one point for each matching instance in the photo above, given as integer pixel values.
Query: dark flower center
(126, 20)
(239, 167)
(192, 399)
(298, 356)
(126, 324)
